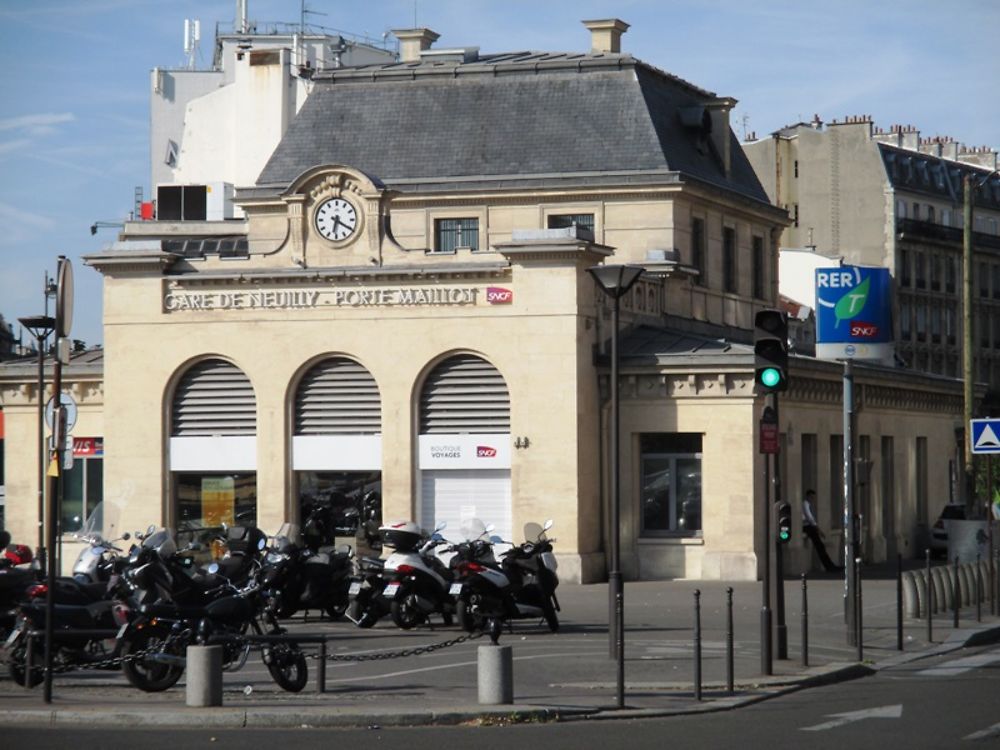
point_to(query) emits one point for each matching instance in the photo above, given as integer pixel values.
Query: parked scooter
(95, 563)
(16, 576)
(417, 580)
(304, 579)
(522, 586)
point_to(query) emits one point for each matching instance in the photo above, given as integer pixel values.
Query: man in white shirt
(811, 529)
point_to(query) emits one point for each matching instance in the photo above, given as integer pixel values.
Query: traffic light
(783, 521)
(770, 348)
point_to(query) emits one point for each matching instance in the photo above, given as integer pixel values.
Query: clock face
(336, 219)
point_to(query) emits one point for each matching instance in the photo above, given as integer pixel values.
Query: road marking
(993, 731)
(958, 666)
(883, 712)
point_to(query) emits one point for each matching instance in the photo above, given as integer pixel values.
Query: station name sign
(298, 299)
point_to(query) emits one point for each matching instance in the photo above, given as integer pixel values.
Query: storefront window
(83, 490)
(671, 484)
(337, 495)
(207, 501)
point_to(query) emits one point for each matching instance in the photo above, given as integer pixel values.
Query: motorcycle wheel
(551, 618)
(336, 610)
(466, 620)
(18, 664)
(287, 666)
(147, 675)
(405, 612)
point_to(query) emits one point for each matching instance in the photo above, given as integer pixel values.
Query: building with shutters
(405, 306)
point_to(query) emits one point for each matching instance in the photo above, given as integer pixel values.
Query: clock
(336, 219)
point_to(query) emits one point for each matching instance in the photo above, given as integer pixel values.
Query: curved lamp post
(615, 281)
(40, 326)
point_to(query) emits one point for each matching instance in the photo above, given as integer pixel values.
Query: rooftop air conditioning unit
(210, 202)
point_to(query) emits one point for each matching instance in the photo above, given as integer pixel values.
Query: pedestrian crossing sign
(985, 435)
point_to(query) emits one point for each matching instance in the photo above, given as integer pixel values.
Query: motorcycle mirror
(489, 527)
(150, 530)
(440, 526)
(213, 568)
(126, 536)
(548, 525)
(261, 544)
(496, 539)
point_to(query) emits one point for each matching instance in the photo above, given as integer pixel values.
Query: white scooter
(417, 581)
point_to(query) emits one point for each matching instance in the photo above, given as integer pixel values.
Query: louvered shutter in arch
(465, 394)
(214, 397)
(338, 396)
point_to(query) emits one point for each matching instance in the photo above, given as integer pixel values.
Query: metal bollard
(859, 609)
(979, 591)
(697, 645)
(956, 599)
(805, 622)
(929, 600)
(899, 602)
(29, 661)
(204, 676)
(321, 668)
(496, 674)
(730, 683)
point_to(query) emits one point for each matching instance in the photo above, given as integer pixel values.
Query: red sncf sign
(861, 330)
(497, 295)
(485, 451)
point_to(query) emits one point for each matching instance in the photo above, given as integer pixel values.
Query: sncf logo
(497, 295)
(484, 451)
(861, 330)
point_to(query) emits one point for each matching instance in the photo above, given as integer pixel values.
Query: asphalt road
(949, 701)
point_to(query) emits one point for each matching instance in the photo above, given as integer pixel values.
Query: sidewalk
(556, 676)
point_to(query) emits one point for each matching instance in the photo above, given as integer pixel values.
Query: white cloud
(11, 215)
(42, 121)
(9, 147)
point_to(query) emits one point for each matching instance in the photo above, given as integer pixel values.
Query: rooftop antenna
(192, 37)
(744, 120)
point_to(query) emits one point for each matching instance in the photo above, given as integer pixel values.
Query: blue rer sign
(985, 435)
(854, 313)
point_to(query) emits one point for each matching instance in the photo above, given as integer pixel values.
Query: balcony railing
(931, 231)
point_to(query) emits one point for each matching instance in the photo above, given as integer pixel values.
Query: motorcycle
(95, 562)
(522, 586)
(153, 645)
(16, 575)
(417, 580)
(302, 578)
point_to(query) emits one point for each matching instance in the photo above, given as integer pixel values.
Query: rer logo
(853, 313)
(497, 295)
(485, 451)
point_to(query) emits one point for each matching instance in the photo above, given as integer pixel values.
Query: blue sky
(74, 87)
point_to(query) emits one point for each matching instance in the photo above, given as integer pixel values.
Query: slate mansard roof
(508, 121)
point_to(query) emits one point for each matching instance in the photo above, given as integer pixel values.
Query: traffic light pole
(766, 663)
(781, 630)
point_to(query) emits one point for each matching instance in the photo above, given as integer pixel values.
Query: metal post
(615, 576)
(766, 663)
(805, 622)
(697, 645)
(899, 602)
(59, 420)
(929, 599)
(968, 353)
(850, 540)
(781, 630)
(321, 668)
(730, 682)
(956, 593)
(859, 635)
(979, 591)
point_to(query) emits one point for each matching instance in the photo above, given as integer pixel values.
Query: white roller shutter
(457, 494)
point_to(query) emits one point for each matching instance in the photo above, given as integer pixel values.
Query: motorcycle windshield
(94, 525)
(472, 529)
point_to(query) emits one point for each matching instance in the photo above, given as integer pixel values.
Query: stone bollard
(204, 676)
(911, 595)
(496, 675)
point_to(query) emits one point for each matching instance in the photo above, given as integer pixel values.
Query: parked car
(939, 533)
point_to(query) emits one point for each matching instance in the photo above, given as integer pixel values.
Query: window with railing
(905, 320)
(451, 234)
(949, 273)
(920, 270)
(921, 322)
(904, 267)
(699, 251)
(729, 259)
(935, 272)
(935, 324)
(949, 323)
(758, 267)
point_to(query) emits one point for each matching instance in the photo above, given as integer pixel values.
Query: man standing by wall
(811, 530)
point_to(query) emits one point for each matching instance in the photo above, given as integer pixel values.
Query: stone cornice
(113, 262)
(379, 274)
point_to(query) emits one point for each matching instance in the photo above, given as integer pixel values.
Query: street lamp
(40, 326)
(615, 281)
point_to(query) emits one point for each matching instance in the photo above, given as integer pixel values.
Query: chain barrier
(417, 651)
(8, 660)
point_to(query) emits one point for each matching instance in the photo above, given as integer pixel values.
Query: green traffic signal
(770, 377)
(784, 535)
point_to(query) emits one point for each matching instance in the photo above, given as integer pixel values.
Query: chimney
(606, 35)
(719, 110)
(911, 138)
(414, 41)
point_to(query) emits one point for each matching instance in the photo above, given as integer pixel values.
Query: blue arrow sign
(985, 435)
